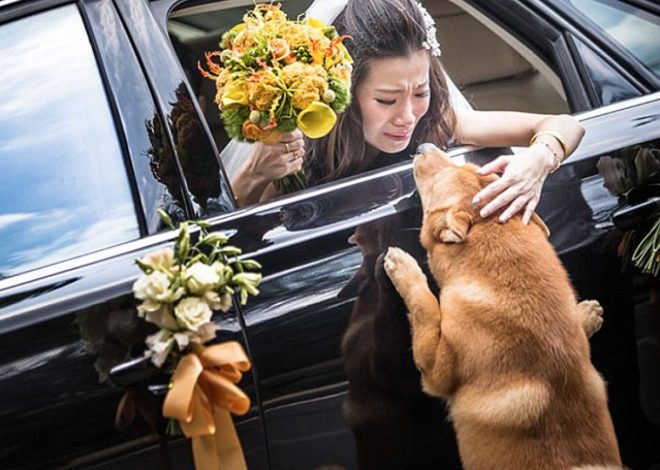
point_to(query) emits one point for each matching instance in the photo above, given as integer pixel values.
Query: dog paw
(402, 269)
(591, 314)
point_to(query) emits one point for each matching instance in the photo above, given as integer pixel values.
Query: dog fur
(505, 344)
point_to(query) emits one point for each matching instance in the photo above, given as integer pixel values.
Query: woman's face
(393, 98)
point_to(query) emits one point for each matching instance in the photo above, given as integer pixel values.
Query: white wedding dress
(235, 153)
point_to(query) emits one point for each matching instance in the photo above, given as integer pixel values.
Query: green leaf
(145, 267)
(250, 264)
(231, 250)
(165, 217)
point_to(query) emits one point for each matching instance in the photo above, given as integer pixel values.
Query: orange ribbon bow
(201, 396)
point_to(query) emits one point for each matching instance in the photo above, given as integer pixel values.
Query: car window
(64, 190)
(635, 29)
(492, 69)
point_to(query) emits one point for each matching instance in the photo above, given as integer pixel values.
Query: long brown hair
(379, 29)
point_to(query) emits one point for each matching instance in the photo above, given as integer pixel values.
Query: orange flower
(251, 131)
(279, 48)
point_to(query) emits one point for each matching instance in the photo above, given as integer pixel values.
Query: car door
(328, 339)
(87, 157)
(581, 210)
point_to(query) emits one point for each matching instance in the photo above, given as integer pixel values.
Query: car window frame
(618, 56)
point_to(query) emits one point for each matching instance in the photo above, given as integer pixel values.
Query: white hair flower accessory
(431, 42)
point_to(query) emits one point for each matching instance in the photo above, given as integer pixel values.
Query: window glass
(636, 30)
(481, 59)
(608, 85)
(64, 190)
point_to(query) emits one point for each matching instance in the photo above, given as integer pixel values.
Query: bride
(401, 99)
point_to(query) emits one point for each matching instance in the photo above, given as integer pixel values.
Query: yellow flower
(317, 24)
(234, 93)
(343, 72)
(307, 83)
(263, 89)
(220, 83)
(316, 120)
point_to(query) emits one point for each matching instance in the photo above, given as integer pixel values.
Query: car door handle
(630, 216)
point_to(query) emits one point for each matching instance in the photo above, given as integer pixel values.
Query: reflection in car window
(636, 30)
(64, 190)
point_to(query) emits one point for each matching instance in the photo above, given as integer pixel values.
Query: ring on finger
(286, 147)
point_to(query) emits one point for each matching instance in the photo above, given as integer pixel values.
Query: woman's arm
(267, 163)
(557, 136)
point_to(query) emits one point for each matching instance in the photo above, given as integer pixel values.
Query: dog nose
(426, 146)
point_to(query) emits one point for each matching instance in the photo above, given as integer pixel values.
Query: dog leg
(432, 356)
(591, 316)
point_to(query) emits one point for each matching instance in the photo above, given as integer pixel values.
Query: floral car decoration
(179, 290)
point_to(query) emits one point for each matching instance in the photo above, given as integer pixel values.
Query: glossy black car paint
(57, 414)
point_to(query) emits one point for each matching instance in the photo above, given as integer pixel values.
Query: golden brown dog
(505, 344)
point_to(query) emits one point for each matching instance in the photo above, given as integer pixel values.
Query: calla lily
(316, 120)
(234, 93)
(346, 56)
(314, 23)
(238, 27)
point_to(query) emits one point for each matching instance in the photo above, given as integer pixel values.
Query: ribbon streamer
(202, 395)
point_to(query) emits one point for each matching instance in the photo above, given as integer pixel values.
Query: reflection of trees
(630, 169)
(200, 168)
(112, 333)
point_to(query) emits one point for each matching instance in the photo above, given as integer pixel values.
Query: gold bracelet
(556, 135)
(554, 154)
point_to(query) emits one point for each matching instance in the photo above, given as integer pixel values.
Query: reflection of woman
(401, 100)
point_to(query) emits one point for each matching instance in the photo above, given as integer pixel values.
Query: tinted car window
(636, 30)
(64, 190)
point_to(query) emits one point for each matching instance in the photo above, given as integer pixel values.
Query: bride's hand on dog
(519, 187)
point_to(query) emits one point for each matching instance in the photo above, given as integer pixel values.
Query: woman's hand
(267, 163)
(519, 188)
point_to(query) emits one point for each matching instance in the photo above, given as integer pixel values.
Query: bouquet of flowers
(181, 287)
(179, 290)
(273, 74)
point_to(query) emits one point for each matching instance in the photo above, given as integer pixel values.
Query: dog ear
(538, 221)
(452, 226)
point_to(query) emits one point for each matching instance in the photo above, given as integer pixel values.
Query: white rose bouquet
(181, 287)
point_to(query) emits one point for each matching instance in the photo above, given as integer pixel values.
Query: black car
(104, 119)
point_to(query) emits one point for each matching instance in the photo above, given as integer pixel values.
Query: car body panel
(62, 327)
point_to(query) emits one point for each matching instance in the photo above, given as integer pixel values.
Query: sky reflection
(63, 186)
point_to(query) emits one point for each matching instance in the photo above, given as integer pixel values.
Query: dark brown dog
(396, 426)
(506, 343)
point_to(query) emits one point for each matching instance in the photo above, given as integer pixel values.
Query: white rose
(156, 286)
(200, 278)
(159, 346)
(161, 259)
(192, 312)
(157, 313)
(216, 302)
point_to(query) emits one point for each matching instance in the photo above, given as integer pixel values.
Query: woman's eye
(422, 94)
(386, 102)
